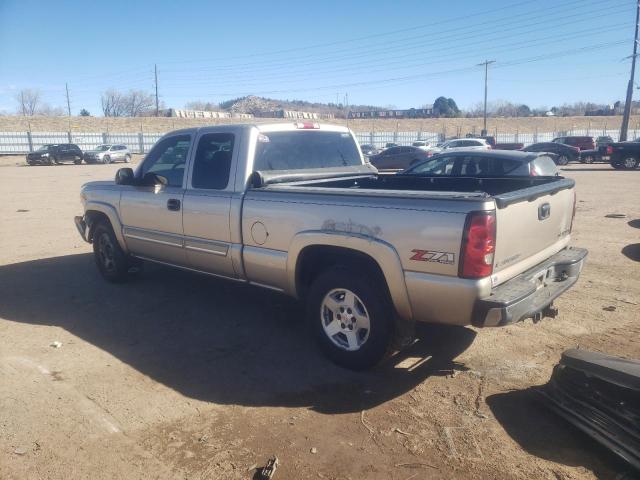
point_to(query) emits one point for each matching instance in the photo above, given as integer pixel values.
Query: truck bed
(504, 190)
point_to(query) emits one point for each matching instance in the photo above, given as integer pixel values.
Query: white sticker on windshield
(263, 138)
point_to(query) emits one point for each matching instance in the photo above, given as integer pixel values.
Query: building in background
(425, 112)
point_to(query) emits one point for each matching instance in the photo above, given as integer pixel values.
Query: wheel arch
(312, 252)
(96, 212)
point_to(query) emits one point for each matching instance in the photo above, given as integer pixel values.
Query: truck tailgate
(531, 225)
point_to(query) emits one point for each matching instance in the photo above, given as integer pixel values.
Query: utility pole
(24, 110)
(155, 69)
(486, 64)
(627, 104)
(66, 87)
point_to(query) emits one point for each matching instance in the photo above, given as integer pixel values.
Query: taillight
(478, 245)
(609, 149)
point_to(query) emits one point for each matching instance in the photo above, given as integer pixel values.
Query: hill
(253, 104)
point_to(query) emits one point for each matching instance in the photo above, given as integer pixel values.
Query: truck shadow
(214, 340)
(546, 435)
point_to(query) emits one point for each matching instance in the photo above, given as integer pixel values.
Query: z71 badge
(431, 256)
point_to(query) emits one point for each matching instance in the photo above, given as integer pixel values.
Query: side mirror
(124, 176)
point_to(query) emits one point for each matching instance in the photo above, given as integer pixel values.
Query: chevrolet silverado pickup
(295, 208)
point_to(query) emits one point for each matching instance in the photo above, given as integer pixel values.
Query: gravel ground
(180, 376)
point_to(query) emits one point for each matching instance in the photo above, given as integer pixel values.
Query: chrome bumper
(531, 294)
(81, 225)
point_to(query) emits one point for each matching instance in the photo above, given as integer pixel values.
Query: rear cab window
(300, 149)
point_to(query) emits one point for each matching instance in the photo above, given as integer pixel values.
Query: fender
(381, 252)
(112, 214)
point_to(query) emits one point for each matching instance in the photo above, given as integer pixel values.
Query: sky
(403, 53)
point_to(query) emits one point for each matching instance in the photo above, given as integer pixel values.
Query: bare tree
(49, 111)
(138, 103)
(28, 101)
(113, 104)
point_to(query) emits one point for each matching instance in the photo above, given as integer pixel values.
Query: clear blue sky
(402, 53)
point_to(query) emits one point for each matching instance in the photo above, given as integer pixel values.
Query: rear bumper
(530, 294)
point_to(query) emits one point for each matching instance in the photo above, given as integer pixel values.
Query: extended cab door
(207, 203)
(152, 215)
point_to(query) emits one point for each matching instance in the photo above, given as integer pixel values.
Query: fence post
(535, 136)
(140, 142)
(105, 137)
(371, 138)
(395, 136)
(70, 140)
(30, 140)
(517, 134)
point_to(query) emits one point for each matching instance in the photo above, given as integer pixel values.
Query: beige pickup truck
(296, 209)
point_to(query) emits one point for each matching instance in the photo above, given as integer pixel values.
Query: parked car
(55, 153)
(467, 144)
(494, 163)
(603, 141)
(582, 143)
(108, 153)
(622, 155)
(295, 208)
(421, 144)
(369, 150)
(500, 146)
(565, 153)
(592, 156)
(398, 158)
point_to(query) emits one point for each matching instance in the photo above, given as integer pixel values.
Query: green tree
(84, 113)
(445, 107)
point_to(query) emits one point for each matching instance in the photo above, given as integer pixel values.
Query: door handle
(173, 204)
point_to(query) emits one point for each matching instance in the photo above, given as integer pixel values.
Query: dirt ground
(451, 126)
(176, 375)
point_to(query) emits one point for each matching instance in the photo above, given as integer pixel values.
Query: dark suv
(55, 153)
(582, 143)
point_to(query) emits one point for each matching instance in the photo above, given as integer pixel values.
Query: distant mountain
(253, 104)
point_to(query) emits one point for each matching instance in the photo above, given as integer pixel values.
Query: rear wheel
(562, 160)
(588, 159)
(52, 160)
(127, 158)
(77, 161)
(351, 317)
(106, 159)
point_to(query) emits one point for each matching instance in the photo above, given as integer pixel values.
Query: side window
(212, 163)
(406, 150)
(167, 159)
(436, 166)
(393, 151)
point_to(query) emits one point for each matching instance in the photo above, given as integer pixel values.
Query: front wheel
(351, 317)
(106, 159)
(110, 259)
(127, 158)
(77, 161)
(629, 163)
(563, 160)
(588, 159)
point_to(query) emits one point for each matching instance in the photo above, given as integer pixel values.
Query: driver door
(152, 214)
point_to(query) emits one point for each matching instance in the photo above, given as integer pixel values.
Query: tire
(629, 163)
(77, 161)
(587, 159)
(106, 159)
(356, 307)
(562, 160)
(112, 262)
(52, 161)
(127, 158)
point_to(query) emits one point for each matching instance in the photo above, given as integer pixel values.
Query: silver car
(108, 153)
(467, 144)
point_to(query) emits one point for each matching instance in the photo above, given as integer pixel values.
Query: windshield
(102, 148)
(295, 150)
(44, 148)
